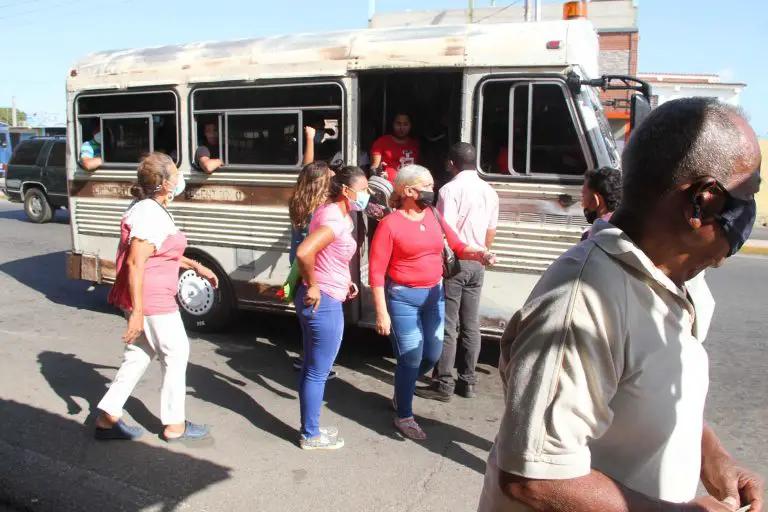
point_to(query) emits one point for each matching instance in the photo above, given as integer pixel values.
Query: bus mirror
(638, 110)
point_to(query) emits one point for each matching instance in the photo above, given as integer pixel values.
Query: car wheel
(203, 307)
(37, 207)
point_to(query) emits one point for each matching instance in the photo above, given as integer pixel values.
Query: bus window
(263, 139)
(132, 125)
(527, 128)
(263, 126)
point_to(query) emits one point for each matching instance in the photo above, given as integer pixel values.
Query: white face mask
(97, 138)
(179, 188)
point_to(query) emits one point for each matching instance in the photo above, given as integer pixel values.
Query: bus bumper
(89, 267)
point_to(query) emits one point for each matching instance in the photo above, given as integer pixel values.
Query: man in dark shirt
(207, 156)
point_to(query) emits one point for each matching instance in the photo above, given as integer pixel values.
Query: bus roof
(336, 53)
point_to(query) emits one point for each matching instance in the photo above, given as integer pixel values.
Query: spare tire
(381, 190)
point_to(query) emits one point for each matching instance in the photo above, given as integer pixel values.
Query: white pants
(164, 336)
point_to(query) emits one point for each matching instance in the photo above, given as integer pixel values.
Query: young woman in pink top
(406, 274)
(150, 254)
(324, 258)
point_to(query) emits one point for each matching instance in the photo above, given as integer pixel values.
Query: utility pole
(13, 111)
(371, 12)
(528, 10)
(471, 11)
(493, 3)
(537, 10)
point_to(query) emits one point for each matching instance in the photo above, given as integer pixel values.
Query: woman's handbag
(451, 264)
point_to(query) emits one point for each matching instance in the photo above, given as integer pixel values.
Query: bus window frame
(223, 135)
(256, 112)
(533, 177)
(123, 115)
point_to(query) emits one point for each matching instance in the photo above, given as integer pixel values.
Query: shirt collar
(617, 244)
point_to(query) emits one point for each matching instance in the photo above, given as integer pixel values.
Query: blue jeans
(322, 331)
(418, 316)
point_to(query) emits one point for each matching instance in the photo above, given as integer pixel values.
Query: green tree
(6, 117)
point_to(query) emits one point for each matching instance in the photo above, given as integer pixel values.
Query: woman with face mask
(150, 254)
(323, 259)
(406, 274)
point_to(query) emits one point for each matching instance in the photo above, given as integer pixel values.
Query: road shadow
(71, 378)
(46, 274)
(50, 463)
(61, 216)
(362, 351)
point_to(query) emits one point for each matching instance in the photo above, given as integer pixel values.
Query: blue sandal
(120, 431)
(192, 432)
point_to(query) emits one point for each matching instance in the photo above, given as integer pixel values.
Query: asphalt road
(59, 347)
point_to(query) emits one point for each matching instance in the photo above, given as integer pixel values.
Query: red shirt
(502, 161)
(410, 252)
(395, 155)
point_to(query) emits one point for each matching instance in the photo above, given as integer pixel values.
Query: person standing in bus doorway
(323, 259)
(207, 157)
(406, 274)
(90, 152)
(150, 254)
(390, 153)
(470, 207)
(311, 191)
(600, 195)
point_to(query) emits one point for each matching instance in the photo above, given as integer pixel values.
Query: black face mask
(737, 220)
(426, 198)
(590, 215)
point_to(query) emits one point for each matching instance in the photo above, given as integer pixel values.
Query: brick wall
(618, 56)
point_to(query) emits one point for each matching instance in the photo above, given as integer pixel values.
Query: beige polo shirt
(604, 368)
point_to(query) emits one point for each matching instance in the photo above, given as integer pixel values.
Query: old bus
(526, 89)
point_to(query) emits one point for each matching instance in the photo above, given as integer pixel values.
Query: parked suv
(37, 176)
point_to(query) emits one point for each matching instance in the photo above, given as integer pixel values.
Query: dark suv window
(26, 153)
(58, 155)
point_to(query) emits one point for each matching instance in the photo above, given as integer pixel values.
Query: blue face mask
(737, 220)
(361, 202)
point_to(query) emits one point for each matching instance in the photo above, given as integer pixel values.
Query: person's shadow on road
(48, 462)
(259, 361)
(70, 377)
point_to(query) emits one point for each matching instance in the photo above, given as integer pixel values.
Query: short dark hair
(345, 176)
(606, 181)
(463, 155)
(679, 141)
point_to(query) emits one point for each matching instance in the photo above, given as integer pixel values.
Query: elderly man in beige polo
(604, 368)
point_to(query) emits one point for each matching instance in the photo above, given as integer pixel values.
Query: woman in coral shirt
(150, 254)
(406, 274)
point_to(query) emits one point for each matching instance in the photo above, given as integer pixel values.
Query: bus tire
(203, 308)
(37, 207)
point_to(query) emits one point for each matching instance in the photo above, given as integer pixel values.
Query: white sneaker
(321, 442)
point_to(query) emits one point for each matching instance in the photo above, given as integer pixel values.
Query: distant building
(670, 86)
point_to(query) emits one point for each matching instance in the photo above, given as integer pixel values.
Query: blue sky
(42, 38)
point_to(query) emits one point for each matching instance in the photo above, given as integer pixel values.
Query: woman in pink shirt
(323, 259)
(150, 254)
(406, 274)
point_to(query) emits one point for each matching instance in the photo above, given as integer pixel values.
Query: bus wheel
(203, 307)
(37, 207)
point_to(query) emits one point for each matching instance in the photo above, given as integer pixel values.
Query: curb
(760, 250)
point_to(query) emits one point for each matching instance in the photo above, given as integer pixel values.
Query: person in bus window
(323, 259)
(207, 157)
(390, 153)
(310, 192)
(406, 275)
(317, 146)
(150, 254)
(600, 195)
(90, 152)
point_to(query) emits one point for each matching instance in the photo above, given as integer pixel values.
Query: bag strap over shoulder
(438, 218)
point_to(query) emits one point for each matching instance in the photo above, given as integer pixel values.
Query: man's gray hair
(678, 142)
